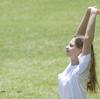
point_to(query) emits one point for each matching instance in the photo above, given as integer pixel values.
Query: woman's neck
(74, 61)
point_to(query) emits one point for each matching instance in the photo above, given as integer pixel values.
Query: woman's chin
(67, 55)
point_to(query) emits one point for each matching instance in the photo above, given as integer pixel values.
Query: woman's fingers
(91, 8)
(95, 7)
(98, 11)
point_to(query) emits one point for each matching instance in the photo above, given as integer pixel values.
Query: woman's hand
(93, 10)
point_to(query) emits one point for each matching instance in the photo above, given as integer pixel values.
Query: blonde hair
(93, 84)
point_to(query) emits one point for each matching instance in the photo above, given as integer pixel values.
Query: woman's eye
(71, 45)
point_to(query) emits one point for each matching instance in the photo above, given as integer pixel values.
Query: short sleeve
(84, 59)
(83, 63)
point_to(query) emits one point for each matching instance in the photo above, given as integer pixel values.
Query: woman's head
(75, 47)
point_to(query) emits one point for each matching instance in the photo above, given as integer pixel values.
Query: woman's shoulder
(85, 58)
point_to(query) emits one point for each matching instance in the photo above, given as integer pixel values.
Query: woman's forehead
(72, 41)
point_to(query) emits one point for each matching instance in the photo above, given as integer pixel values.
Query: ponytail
(93, 82)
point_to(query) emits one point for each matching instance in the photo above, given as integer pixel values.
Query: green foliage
(33, 36)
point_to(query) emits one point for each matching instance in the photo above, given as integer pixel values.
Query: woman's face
(72, 50)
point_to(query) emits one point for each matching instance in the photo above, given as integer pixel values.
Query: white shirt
(73, 81)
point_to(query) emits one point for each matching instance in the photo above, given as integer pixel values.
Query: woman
(80, 74)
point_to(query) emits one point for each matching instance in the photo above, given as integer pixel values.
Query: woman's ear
(80, 51)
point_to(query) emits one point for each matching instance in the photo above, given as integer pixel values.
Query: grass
(33, 36)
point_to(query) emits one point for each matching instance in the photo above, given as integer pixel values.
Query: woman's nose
(67, 46)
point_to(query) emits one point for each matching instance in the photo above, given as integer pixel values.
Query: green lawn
(33, 36)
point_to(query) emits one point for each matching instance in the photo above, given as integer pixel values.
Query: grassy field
(33, 36)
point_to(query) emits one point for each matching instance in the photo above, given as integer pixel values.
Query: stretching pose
(80, 75)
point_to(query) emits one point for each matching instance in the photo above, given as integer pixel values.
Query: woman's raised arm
(89, 36)
(83, 25)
